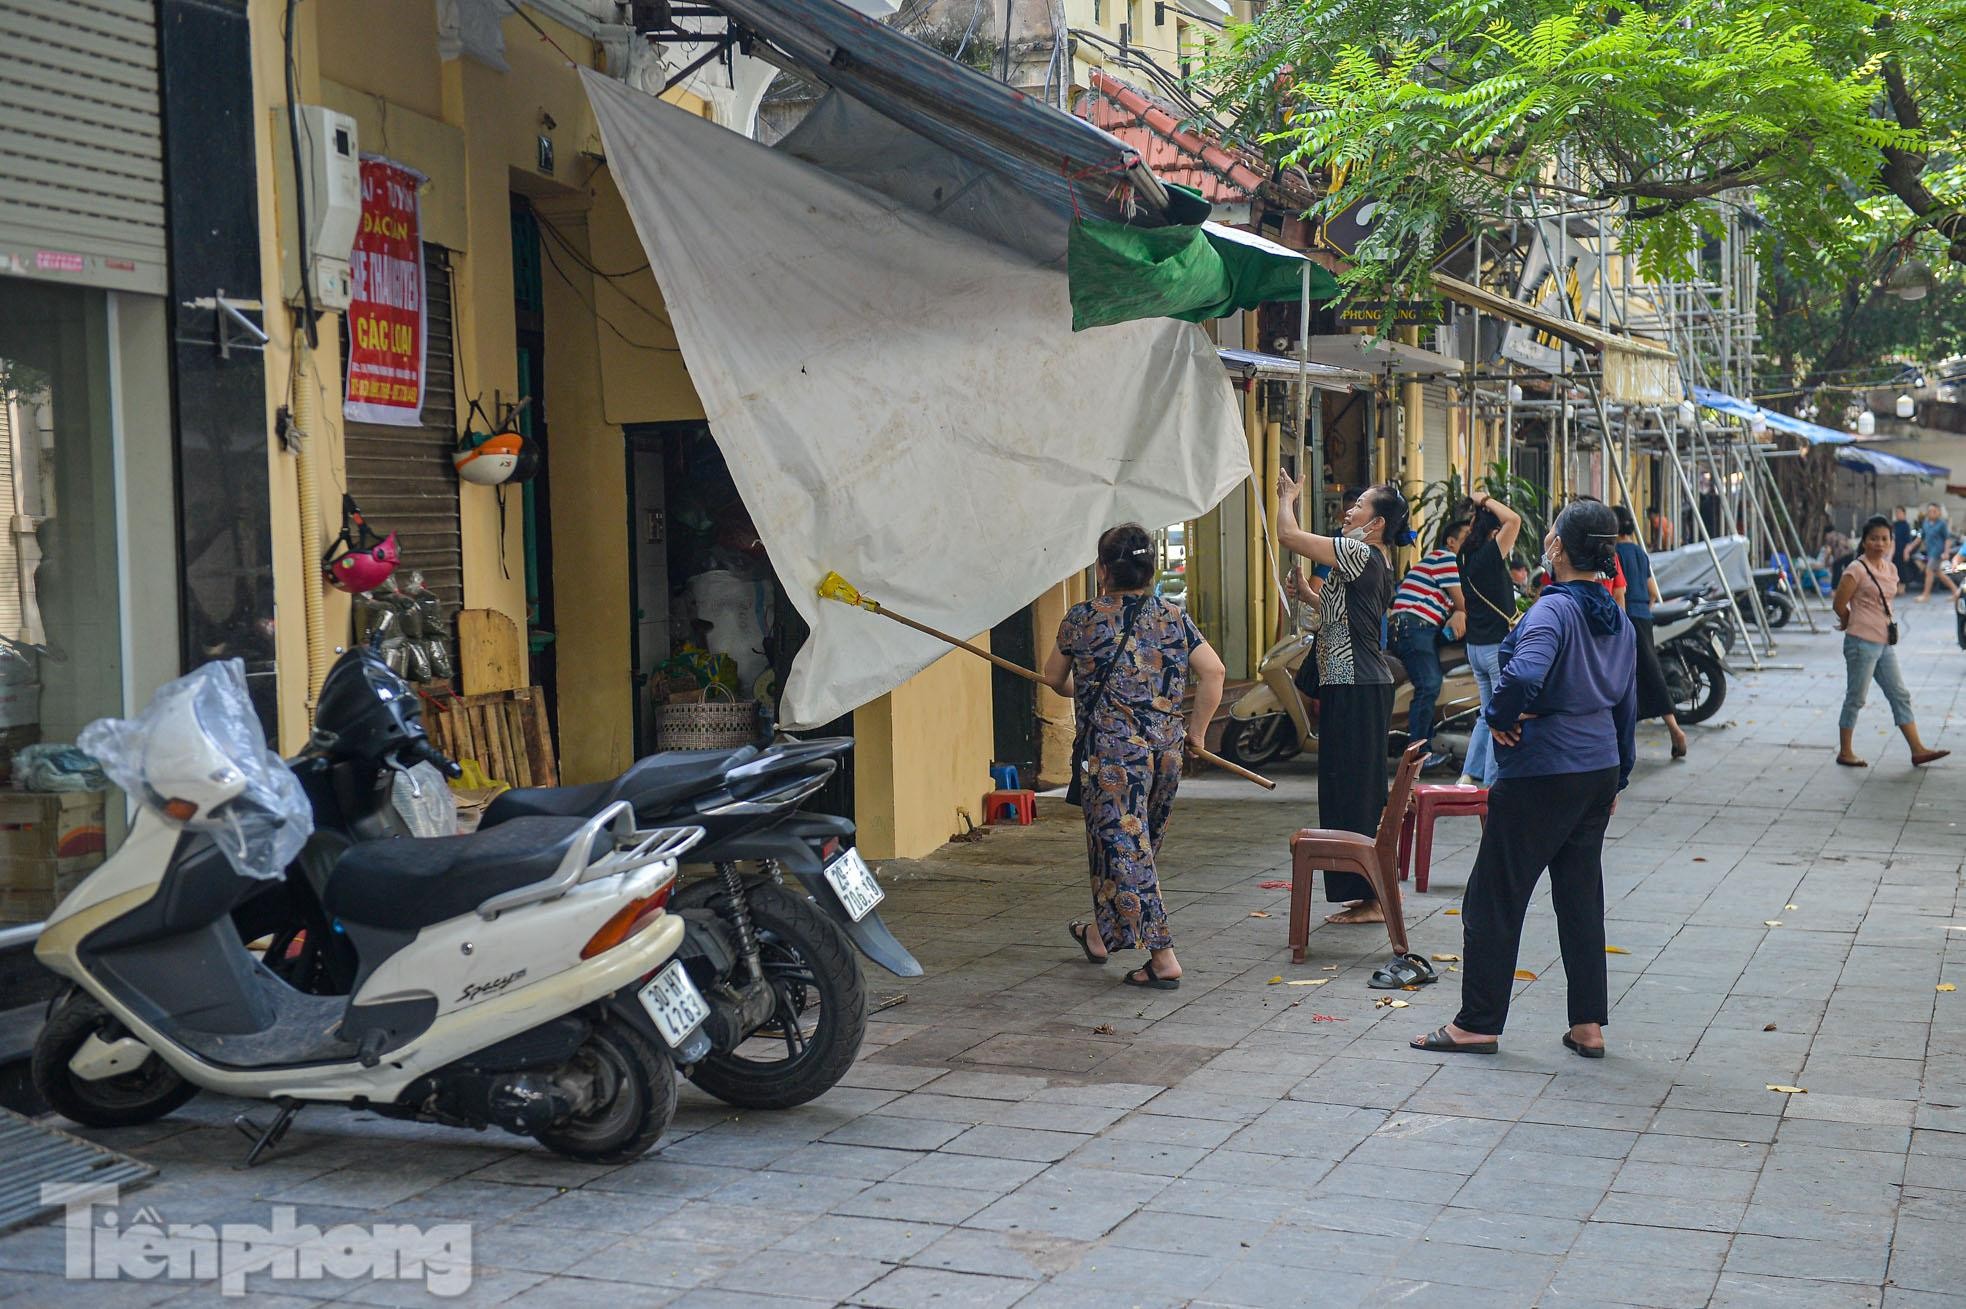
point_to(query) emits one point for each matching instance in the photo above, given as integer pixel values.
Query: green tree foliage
(1823, 115)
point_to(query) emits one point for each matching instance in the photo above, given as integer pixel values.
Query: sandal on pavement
(1588, 1051)
(1402, 971)
(1080, 932)
(1857, 763)
(1147, 977)
(1924, 757)
(1439, 1040)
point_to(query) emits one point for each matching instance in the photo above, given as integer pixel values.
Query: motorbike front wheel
(632, 1100)
(143, 1095)
(821, 1015)
(1697, 682)
(1253, 742)
(1777, 607)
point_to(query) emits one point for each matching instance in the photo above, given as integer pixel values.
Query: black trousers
(1554, 822)
(1654, 697)
(1352, 722)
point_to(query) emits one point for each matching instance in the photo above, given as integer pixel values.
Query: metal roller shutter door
(402, 476)
(81, 145)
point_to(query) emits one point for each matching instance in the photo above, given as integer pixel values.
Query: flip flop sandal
(1439, 1040)
(1079, 932)
(1402, 971)
(1151, 979)
(1588, 1051)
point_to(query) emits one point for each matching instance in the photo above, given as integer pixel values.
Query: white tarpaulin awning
(902, 402)
(1691, 565)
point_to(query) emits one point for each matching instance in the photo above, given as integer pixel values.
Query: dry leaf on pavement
(1616, 949)
(1791, 907)
(1104, 1029)
(1447, 959)
(1273, 886)
(1524, 975)
(1452, 913)
(1771, 922)
(1788, 1090)
(1769, 1028)
(1309, 981)
(1274, 981)
(1259, 913)
(1947, 986)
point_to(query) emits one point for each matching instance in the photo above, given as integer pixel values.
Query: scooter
(786, 996)
(1689, 634)
(501, 976)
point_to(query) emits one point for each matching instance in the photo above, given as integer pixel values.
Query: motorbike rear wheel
(143, 1095)
(1253, 742)
(633, 1097)
(798, 1056)
(1696, 680)
(1777, 607)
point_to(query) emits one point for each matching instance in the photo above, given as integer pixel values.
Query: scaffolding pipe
(1733, 606)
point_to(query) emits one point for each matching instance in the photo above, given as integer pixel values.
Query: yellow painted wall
(923, 752)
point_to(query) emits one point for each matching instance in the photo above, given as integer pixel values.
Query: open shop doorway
(709, 614)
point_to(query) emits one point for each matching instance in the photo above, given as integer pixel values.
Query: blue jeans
(1417, 645)
(1862, 661)
(1486, 660)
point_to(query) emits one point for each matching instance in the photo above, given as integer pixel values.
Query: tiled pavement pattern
(1024, 1131)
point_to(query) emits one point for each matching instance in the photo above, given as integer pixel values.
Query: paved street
(1025, 1131)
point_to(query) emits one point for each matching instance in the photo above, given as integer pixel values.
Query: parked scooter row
(544, 975)
(1691, 635)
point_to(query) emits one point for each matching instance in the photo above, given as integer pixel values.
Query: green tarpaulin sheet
(1120, 273)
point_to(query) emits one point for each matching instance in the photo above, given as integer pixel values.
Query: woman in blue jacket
(1561, 718)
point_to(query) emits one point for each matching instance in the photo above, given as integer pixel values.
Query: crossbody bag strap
(1510, 619)
(1132, 617)
(1882, 598)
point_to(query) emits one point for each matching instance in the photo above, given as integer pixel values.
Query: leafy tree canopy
(1834, 119)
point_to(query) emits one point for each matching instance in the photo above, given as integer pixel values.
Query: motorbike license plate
(854, 883)
(673, 1001)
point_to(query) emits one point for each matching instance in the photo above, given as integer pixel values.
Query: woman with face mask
(1561, 719)
(1355, 683)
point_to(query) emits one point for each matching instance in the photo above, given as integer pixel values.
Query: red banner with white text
(386, 320)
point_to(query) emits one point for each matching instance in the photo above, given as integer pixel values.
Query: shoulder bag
(1130, 618)
(1510, 619)
(1890, 619)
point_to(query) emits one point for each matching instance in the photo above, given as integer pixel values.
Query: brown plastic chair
(1353, 852)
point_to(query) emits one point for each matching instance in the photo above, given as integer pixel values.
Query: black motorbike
(787, 999)
(1692, 654)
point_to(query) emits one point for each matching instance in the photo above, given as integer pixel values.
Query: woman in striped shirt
(1428, 603)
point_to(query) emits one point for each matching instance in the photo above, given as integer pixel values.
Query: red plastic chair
(1020, 807)
(1433, 800)
(1352, 852)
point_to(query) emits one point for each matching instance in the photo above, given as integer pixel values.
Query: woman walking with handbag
(1491, 613)
(1126, 658)
(1561, 718)
(1863, 613)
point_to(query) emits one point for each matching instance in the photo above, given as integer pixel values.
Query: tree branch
(1900, 172)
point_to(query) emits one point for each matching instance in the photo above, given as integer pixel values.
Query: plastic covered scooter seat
(406, 883)
(1670, 611)
(650, 784)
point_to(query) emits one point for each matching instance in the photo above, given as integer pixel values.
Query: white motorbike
(499, 980)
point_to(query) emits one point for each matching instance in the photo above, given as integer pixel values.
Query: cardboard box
(60, 825)
(31, 888)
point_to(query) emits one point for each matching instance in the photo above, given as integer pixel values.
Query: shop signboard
(386, 314)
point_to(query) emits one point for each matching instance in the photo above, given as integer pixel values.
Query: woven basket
(712, 725)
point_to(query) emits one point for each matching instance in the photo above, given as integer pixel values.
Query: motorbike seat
(1670, 611)
(410, 883)
(650, 784)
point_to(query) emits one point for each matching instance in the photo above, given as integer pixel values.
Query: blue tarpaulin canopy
(1884, 464)
(1747, 411)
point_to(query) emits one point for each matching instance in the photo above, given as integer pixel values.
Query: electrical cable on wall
(308, 324)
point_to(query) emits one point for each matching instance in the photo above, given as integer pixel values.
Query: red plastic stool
(1020, 805)
(1433, 800)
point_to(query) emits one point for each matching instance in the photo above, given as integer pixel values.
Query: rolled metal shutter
(1433, 437)
(81, 144)
(403, 476)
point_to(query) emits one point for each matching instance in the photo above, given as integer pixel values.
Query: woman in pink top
(1863, 611)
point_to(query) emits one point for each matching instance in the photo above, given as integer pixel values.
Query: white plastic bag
(424, 799)
(197, 756)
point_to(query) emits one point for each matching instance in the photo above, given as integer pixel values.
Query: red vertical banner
(386, 318)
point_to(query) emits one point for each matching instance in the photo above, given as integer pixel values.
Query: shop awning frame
(1060, 157)
(1750, 413)
(1882, 463)
(1254, 365)
(1583, 335)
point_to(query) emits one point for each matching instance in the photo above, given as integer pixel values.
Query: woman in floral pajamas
(1126, 658)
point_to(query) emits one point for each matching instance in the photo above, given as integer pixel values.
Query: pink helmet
(358, 561)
